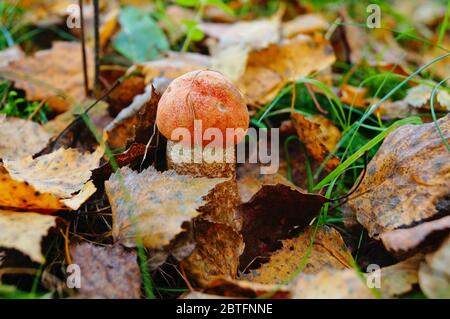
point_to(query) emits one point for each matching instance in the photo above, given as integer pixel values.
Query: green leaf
(188, 3)
(221, 5)
(140, 39)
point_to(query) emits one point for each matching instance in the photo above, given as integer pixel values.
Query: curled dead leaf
(406, 188)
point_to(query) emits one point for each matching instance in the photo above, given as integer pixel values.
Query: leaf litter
(227, 231)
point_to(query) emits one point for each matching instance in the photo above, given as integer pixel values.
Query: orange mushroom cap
(205, 96)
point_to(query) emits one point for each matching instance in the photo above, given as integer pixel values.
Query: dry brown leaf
(54, 75)
(250, 180)
(407, 184)
(58, 180)
(175, 65)
(320, 137)
(328, 250)
(412, 238)
(125, 92)
(434, 274)
(10, 54)
(354, 96)
(304, 24)
(245, 289)
(270, 215)
(19, 195)
(420, 95)
(330, 284)
(24, 232)
(154, 205)
(218, 247)
(400, 278)
(109, 272)
(135, 123)
(268, 70)
(19, 138)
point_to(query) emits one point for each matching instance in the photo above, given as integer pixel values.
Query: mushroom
(210, 98)
(205, 96)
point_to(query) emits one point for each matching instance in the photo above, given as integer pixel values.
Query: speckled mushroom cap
(207, 96)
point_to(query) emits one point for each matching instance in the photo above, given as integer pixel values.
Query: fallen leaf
(354, 96)
(10, 54)
(218, 247)
(250, 180)
(328, 250)
(20, 195)
(48, 181)
(304, 24)
(400, 278)
(24, 232)
(154, 205)
(270, 69)
(51, 75)
(270, 215)
(420, 95)
(245, 289)
(320, 137)
(135, 123)
(124, 94)
(109, 272)
(330, 284)
(174, 65)
(406, 184)
(19, 138)
(406, 240)
(434, 274)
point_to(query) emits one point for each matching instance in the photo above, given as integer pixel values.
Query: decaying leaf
(354, 96)
(135, 123)
(320, 137)
(407, 184)
(328, 250)
(331, 284)
(10, 54)
(124, 94)
(408, 239)
(250, 180)
(20, 195)
(175, 65)
(50, 182)
(420, 95)
(109, 272)
(218, 247)
(54, 75)
(245, 289)
(154, 205)
(400, 278)
(434, 274)
(270, 215)
(304, 24)
(24, 232)
(20, 138)
(269, 69)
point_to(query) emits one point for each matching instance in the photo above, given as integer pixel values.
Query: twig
(83, 50)
(97, 47)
